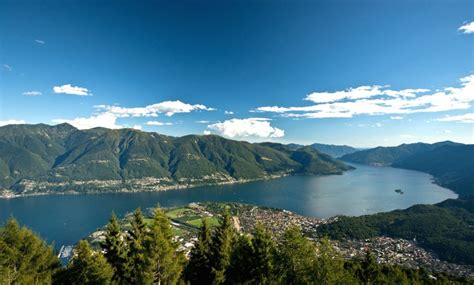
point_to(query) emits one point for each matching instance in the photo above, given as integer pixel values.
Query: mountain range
(452, 164)
(331, 149)
(445, 228)
(50, 159)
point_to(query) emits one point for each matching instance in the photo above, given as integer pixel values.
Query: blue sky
(362, 73)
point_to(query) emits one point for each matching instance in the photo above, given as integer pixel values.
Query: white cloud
(32, 93)
(11, 122)
(72, 90)
(107, 115)
(203, 122)
(396, 117)
(206, 132)
(405, 92)
(361, 92)
(169, 108)
(447, 131)
(376, 100)
(467, 28)
(105, 120)
(466, 118)
(228, 112)
(250, 127)
(7, 67)
(378, 125)
(156, 123)
(137, 127)
(351, 93)
(41, 42)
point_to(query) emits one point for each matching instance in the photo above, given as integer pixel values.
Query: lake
(365, 190)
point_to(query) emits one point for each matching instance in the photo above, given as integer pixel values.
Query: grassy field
(191, 217)
(180, 212)
(186, 221)
(211, 221)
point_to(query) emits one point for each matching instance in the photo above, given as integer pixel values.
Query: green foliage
(24, 257)
(329, 266)
(450, 163)
(390, 155)
(62, 153)
(445, 228)
(115, 248)
(329, 149)
(219, 257)
(313, 161)
(164, 262)
(370, 272)
(222, 243)
(137, 252)
(86, 267)
(198, 269)
(240, 267)
(296, 257)
(251, 259)
(144, 254)
(262, 257)
(333, 150)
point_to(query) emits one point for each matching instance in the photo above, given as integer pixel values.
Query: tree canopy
(147, 253)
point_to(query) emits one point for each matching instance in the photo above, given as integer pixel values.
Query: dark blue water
(366, 190)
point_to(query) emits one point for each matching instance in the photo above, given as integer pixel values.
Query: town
(187, 220)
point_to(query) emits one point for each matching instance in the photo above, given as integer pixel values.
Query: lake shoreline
(8, 194)
(365, 190)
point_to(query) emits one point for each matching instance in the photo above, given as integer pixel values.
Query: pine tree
(198, 269)
(115, 249)
(240, 268)
(370, 270)
(329, 267)
(296, 258)
(263, 256)
(164, 262)
(24, 257)
(136, 258)
(86, 267)
(222, 242)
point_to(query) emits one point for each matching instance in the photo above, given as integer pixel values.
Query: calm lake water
(366, 190)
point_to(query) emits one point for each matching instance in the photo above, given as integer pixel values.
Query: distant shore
(9, 194)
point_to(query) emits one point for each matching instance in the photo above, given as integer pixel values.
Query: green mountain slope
(451, 164)
(446, 228)
(331, 149)
(42, 158)
(390, 155)
(334, 150)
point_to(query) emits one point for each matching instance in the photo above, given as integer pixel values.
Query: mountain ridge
(56, 159)
(450, 163)
(333, 150)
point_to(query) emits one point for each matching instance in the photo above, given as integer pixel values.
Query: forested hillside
(446, 228)
(147, 253)
(331, 149)
(42, 158)
(451, 164)
(389, 155)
